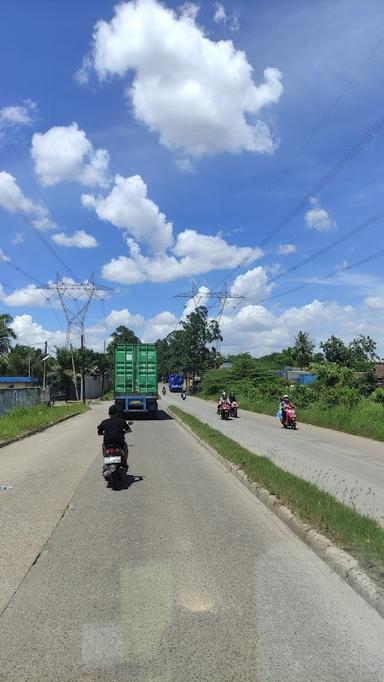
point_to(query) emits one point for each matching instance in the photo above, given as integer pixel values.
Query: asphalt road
(350, 467)
(182, 575)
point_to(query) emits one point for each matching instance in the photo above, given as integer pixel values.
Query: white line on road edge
(345, 565)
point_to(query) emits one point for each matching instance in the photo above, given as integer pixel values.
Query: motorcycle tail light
(111, 450)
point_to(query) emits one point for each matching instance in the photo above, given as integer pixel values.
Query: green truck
(135, 378)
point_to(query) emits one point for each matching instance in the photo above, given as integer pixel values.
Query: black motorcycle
(114, 464)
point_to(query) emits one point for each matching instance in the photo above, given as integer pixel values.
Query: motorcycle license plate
(112, 460)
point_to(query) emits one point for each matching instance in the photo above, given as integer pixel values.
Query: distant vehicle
(135, 379)
(175, 383)
(224, 410)
(289, 422)
(234, 407)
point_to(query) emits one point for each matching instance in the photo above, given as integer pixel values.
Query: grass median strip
(359, 535)
(25, 419)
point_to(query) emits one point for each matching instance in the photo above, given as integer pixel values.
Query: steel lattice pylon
(85, 291)
(222, 296)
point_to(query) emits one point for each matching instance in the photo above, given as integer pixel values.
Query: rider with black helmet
(113, 430)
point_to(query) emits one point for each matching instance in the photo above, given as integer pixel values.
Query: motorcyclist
(164, 390)
(183, 395)
(284, 404)
(222, 399)
(232, 397)
(113, 430)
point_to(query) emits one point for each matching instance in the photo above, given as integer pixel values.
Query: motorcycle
(289, 421)
(183, 395)
(114, 464)
(233, 408)
(164, 390)
(224, 410)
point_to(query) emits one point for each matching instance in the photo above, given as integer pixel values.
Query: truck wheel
(152, 409)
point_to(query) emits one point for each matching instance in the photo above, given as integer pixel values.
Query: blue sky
(140, 144)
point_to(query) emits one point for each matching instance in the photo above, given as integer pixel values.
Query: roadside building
(17, 382)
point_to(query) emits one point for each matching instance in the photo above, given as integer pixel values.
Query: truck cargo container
(175, 383)
(135, 378)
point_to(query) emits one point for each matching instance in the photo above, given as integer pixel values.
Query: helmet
(285, 396)
(112, 410)
(224, 394)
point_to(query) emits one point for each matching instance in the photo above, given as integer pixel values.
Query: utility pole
(74, 374)
(45, 365)
(103, 376)
(29, 364)
(82, 370)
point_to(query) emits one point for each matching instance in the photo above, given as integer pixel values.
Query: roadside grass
(108, 396)
(359, 535)
(365, 419)
(25, 419)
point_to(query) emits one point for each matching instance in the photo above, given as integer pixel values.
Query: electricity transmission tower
(75, 299)
(222, 296)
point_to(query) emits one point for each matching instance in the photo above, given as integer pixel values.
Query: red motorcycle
(233, 408)
(289, 421)
(224, 410)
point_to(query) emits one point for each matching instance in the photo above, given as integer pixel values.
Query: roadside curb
(345, 565)
(37, 430)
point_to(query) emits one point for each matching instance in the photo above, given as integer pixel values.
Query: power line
(268, 191)
(323, 182)
(359, 228)
(328, 176)
(29, 222)
(23, 272)
(329, 275)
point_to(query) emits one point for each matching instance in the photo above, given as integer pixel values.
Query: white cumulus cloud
(221, 17)
(128, 207)
(159, 326)
(32, 333)
(123, 317)
(79, 239)
(220, 13)
(197, 94)
(201, 297)
(12, 200)
(375, 302)
(192, 254)
(317, 218)
(286, 249)
(253, 285)
(65, 154)
(16, 116)
(31, 295)
(3, 257)
(255, 329)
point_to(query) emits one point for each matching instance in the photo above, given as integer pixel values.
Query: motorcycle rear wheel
(114, 480)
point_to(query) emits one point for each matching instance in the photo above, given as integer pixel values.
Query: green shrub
(329, 374)
(302, 396)
(378, 395)
(340, 395)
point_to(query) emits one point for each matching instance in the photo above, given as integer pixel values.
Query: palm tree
(303, 349)
(6, 333)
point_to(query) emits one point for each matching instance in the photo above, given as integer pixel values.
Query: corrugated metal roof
(18, 380)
